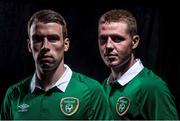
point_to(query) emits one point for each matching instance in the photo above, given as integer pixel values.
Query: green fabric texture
(145, 97)
(84, 98)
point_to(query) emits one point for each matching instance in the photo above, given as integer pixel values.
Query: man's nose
(109, 43)
(45, 43)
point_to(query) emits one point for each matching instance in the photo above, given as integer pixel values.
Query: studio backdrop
(158, 49)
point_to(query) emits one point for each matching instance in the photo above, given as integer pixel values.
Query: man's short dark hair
(46, 16)
(120, 15)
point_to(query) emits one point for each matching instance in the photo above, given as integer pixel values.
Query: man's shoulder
(19, 86)
(92, 86)
(88, 81)
(148, 74)
(148, 79)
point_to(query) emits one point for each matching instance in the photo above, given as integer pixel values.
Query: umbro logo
(23, 108)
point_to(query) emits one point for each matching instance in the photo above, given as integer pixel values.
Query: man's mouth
(110, 57)
(46, 58)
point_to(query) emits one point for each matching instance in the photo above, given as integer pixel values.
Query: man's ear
(66, 44)
(29, 45)
(135, 41)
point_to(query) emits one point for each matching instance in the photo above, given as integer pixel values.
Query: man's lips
(45, 58)
(110, 55)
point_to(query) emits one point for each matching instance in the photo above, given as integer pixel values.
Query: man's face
(47, 45)
(115, 44)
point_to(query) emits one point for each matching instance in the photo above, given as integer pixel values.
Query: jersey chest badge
(122, 105)
(69, 105)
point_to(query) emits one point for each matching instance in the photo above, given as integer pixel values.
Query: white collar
(61, 84)
(129, 74)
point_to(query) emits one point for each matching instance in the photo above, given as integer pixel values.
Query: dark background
(157, 26)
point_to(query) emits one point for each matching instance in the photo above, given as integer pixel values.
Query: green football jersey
(83, 98)
(145, 97)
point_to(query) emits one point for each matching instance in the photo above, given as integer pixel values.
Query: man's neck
(49, 78)
(117, 71)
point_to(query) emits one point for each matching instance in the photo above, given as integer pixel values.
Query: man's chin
(112, 65)
(46, 67)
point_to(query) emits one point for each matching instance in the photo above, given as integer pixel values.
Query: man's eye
(103, 39)
(117, 39)
(53, 38)
(50, 38)
(37, 38)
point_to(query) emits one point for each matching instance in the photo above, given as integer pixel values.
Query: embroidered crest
(122, 105)
(69, 105)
